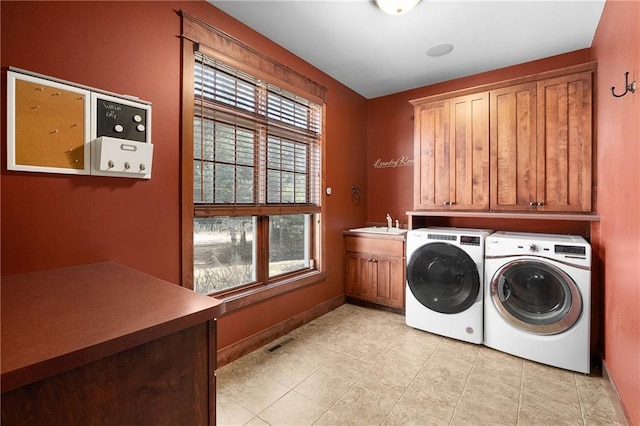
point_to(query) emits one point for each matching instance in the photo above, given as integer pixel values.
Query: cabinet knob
(532, 203)
(540, 204)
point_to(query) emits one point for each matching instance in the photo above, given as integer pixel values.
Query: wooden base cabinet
(375, 269)
(102, 344)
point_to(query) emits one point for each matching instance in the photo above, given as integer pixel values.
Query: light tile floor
(359, 366)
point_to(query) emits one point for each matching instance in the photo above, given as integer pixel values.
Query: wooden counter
(104, 344)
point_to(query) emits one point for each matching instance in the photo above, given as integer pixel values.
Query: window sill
(261, 293)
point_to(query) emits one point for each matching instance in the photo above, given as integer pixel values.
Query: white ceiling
(376, 54)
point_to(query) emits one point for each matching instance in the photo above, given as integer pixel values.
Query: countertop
(59, 319)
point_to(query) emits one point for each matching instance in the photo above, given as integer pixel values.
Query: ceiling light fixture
(395, 7)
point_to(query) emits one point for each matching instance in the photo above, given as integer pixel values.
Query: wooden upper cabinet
(513, 147)
(518, 145)
(540, 136)
(452, 152)
(432, 154)
(470, 156)
(564, 143)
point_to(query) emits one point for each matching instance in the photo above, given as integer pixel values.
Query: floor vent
(274, 348)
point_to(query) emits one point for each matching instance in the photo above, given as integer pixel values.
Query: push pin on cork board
(48, 125)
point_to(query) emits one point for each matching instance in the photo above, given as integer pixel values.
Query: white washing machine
(538, 298)
(445, 281)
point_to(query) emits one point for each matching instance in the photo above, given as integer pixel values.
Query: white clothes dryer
(445, 274)
(538, 298)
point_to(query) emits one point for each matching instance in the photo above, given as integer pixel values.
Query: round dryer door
(443, 278)
(536, 297)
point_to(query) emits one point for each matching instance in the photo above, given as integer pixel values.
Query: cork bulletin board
(48, 125)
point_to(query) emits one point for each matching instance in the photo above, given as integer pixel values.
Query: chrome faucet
(389, 221)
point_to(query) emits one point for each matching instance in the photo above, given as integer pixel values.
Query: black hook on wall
(628, 87)
(356, 194)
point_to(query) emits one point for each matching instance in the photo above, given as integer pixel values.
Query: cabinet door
(469, 150)
(375, 270)
(564, 142)
(390, 281)
(452, 152)
(512, 132)
(361, 276)
(432, 153)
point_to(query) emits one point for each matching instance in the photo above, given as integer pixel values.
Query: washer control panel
(465, 240)
(468, 240)
(442, 237)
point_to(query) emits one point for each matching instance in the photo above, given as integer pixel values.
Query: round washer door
(536, 297)
(443, 278)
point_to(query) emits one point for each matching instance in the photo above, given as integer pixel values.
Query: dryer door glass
(443, 278)
(536, 297)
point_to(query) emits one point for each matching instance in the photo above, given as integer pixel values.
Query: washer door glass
(443, 278)
(536, 297)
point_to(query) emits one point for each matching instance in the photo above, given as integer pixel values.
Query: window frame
(217, 45)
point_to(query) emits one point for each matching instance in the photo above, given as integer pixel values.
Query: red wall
(616, 47)
(133, 48)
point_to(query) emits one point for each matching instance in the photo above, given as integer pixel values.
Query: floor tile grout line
(406, 388)
(522, 363)
(466, 383)
(575, 384)
(335, 402)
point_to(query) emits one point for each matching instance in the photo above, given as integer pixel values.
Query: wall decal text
(393, 163)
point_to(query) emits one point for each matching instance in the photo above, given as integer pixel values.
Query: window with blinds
(254, 143)
(256, 181)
